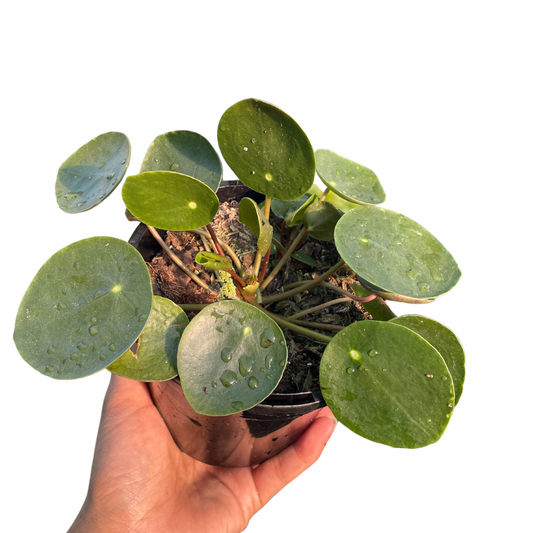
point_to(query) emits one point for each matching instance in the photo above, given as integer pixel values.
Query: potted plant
(394, 380)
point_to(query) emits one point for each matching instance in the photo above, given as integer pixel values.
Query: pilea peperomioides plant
(394, 380)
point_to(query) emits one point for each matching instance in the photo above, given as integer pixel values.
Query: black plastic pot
(242, 439)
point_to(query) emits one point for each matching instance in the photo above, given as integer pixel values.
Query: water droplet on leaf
(228, 378)
(246, 365)
(267, 338)
(226, 355)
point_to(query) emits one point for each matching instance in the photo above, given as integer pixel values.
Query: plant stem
(317, 325)
(348, 294)
(265, 265)
(177, 260)
(257, 263)
(318, 307)
(236, 277)
(324, 194)
(306, 286)
(268, 200)
(289, 293)
(283, 260)
(295, 327)
(215, 240)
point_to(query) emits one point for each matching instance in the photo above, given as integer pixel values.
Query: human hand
(142, 482)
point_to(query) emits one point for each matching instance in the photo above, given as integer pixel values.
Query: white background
(435, 97)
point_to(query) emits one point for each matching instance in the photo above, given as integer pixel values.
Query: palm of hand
(141, 481)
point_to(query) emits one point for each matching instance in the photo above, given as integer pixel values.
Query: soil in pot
(301, 373)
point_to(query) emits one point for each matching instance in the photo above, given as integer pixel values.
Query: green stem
(317, 325)
(305, 286)
(361, 299)
(215, 240)
(318, 307)
(283, 260)
(177, 260)
(295, 327)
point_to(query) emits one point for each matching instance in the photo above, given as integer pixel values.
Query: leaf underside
(349, 180)
(185, 152)
(92, 173)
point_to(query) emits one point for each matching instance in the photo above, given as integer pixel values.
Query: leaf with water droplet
(155, 357)
(412, 260)
(253, 217)
(351, 181)
(185, 152)
(99, 322)
(204, 357)
(169, 200)
(281, 164)
(444, 341)
(82, 180)
(394, 398)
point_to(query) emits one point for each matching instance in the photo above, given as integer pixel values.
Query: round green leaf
(387, 384)
(185, 152)
(231, 357)
(444, 341)
(394, 256)
(169, 200)
(253, 217)
(266, 149)
(349, 180)
(85, 307)
(320, 219)
(154, 356)
(92, 173)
